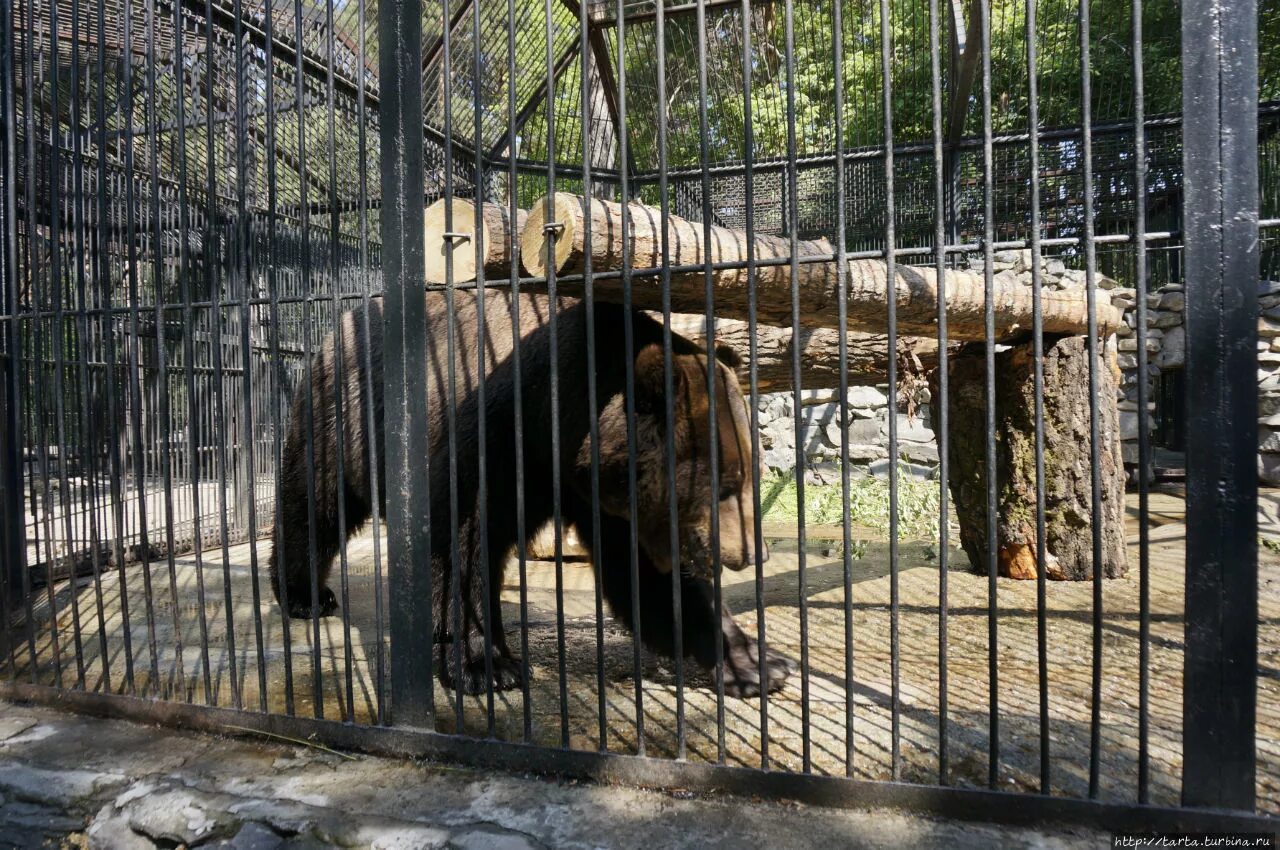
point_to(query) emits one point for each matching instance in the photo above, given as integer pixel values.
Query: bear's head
(692, 439)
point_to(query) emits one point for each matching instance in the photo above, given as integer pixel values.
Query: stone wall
(819, 428)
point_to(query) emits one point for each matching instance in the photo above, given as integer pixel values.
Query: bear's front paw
(300, 609)
(508, 674)
(742, 670)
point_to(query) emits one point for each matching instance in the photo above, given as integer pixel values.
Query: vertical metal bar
(371, 423)
(408, 561)
(940, 427)
(162, 336)
(482, 348)
(339, 365)
(842, 298)
(220, 413)
(554, 382)
(89, 497)
(629, 376)
(593, 421)
(801, 537)
(277, 363)
(886, 72)
(748, 146)
(988, 259)
(1220, 163)
(244, 271)
(13, 567)
(660, 36)
(1037, 332)
(457, 629)
(1144, 438)
(136, 359)
(107, 288)
(712, 421)
(59, 336)
(1091, 273)
(518, 398)
(189, 350)
(308, 301)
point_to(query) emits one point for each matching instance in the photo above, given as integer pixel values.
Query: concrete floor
(209, 601)
(69, 781)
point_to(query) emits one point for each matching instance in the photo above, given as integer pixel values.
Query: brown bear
(297, 547)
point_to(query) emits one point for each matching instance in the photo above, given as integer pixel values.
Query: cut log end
(493, 238)
(563, 211)
(436, 245)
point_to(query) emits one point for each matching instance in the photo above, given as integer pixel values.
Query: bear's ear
(650, 373)
(728, 357)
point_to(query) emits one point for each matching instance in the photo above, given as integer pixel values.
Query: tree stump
(1068, 478)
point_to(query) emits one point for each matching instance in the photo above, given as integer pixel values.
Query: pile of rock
(868, 433)
(819, 426)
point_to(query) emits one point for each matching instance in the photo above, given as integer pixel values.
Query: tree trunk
(1068, 479)
(867, 355)
(494, 239)
(555, 236)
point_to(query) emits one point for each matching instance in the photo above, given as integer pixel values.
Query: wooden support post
(1068, 493)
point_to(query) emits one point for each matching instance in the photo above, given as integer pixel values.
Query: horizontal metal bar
(839, 792)
(926, 148)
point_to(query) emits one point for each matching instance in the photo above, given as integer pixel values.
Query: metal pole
(11, 530)
(1220, 162)
(404, 356)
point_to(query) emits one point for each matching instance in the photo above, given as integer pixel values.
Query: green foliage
(918, 503)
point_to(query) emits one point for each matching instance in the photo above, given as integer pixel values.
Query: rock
(1268, 380)
(1173, 348)
(1268, 287)
(1269, 468)
(1167, 320)
(1129, 425)
(1131, 344)
(1105, 282)
(110, 831)
(918, 452)
(866, 397)
(1268, 328)
(1053, 266)
(1175, 301)
(1127, 361)
(1268, 440)
(1266, 302)
(490, 838)
(860, 431)
(11, 726)
(909, 430)
(60, 788)
(881, 468)
(179, 815)
(252, 836)
(1268, 403)
(861, 452)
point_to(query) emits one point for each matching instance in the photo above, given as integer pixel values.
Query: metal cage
(196, 192)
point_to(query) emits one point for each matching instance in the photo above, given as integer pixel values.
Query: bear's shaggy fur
(301, 552)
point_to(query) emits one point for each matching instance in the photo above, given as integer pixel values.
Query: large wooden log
(493, 236)
(555, 236)
(867, 355)
(1068, 479)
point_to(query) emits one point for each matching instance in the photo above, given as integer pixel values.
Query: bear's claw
(300, 609)
(742, 670)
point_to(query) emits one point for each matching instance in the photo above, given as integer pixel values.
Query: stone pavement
(74, 781)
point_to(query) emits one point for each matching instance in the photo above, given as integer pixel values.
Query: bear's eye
(728, 489)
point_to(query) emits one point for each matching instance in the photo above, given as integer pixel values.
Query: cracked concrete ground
(73, 781)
